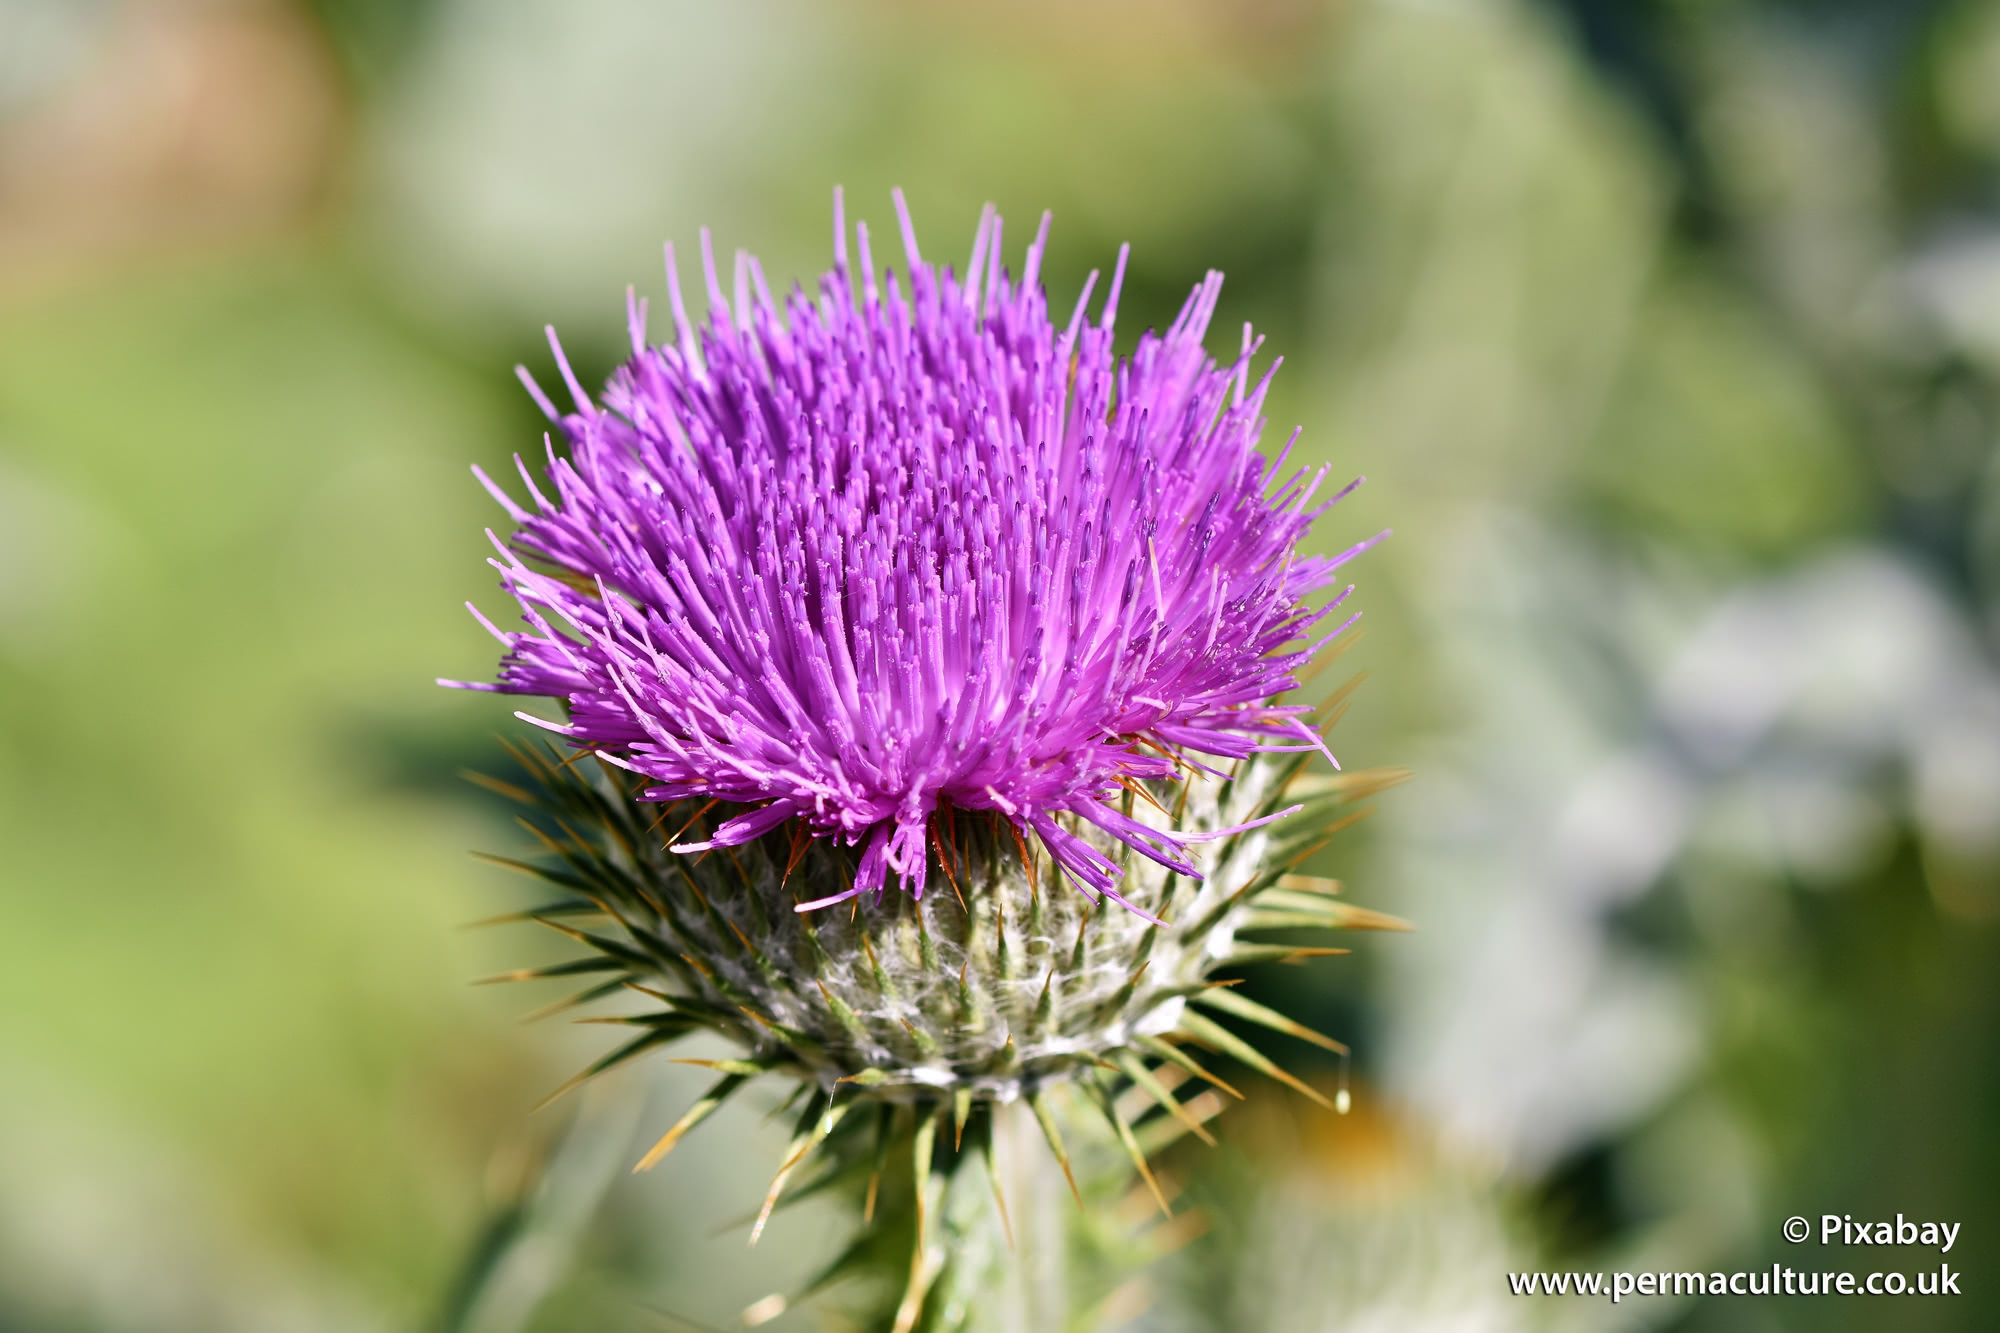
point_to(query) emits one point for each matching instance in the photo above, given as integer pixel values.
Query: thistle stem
(1033, 1285)
(1020, 1259)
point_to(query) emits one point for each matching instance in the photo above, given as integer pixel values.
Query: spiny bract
(926, 1015)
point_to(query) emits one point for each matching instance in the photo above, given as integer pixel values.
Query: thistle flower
(850, 566)
(911, 583)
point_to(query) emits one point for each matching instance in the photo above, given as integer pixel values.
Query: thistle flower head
(913, 546)
(907, 581)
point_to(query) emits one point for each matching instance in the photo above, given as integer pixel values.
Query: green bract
(903, 1023)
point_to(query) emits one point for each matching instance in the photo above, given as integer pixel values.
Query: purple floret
(845, 560)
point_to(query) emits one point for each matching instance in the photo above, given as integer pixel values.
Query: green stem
(1013, 1263)
(1034, 1290)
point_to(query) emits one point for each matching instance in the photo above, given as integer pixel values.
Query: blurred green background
(1668, 333)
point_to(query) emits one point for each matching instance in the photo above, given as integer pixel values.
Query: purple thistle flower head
(912, 544)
